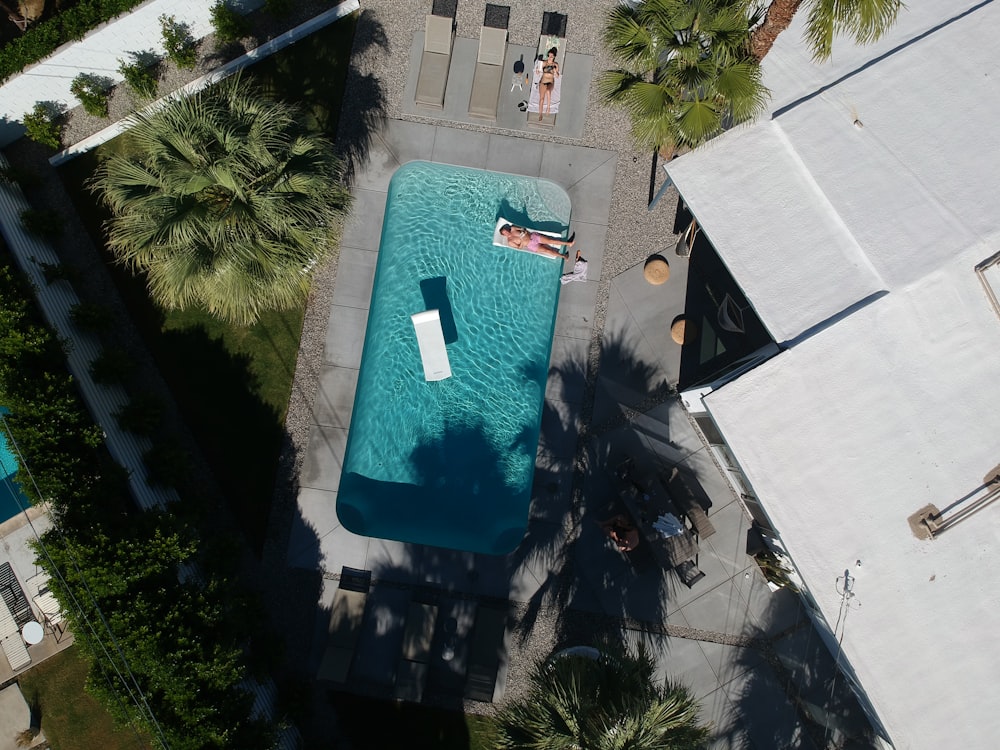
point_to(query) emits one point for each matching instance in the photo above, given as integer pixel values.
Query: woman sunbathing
(547, 82)
(521, 239)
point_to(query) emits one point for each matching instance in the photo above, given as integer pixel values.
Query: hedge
(41, 40)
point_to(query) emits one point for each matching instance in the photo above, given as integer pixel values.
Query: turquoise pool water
(11, 498)
(450, 463)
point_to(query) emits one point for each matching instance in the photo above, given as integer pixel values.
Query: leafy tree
(181, 46)
(863, 20)
(43, 124)
(229, 25)
(604, 703)
(225, 201)
(92, 91)
(686, 71)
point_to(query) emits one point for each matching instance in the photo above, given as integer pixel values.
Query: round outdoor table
(32, 632)
(656, 270)
(683, 330)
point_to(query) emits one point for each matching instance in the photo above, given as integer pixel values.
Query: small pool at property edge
(12, 500)
(450, 463)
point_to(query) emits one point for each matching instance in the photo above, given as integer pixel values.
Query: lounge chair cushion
(437, 35)
(492, 46)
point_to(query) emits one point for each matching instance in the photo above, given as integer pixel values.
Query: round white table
(32, 632)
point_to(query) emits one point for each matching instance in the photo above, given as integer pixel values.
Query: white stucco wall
(99, 53)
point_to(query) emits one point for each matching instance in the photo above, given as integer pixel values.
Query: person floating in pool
(622, 532)
(523, 239)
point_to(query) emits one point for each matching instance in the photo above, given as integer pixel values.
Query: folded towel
(579, 272)
(669, 525)
(533, 97)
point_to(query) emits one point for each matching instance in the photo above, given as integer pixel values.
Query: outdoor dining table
(646, 500)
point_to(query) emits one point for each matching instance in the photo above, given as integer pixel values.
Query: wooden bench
(688, 504)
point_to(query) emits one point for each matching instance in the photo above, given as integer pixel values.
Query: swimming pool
(12, 501)
(450, 463)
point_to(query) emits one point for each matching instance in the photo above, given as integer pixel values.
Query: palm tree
(864, 20)
(225, 201)
(610, 700)
(686, 70)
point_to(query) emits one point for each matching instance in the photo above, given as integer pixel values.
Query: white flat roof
(857, 246)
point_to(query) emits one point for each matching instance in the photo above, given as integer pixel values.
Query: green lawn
(71, 719)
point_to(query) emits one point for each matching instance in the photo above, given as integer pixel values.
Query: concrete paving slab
(576, 310)
(317, 517)
(560, 428)
(766, 715)
(396, 561)
(552, 488)
(464, 148)
(591, 239)
(718, 609)
(688, 664)
(506, 153)
(334, 403)
(381, 640)
(397, 143)
(355, 277)
(15, 717)
(728, 732)
(769, 612)
(567, 369)
(324, 458)
(345, 337)
(363, 228)
(582, 173)
(728, 662)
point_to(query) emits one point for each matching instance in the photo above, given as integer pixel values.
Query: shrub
(229, 25)
(143, 415)
(181, 47)
(16, 175)
(138, 75)
(167, 464)
(92, 91)
(54, 272)
(90, 317)
(42, 222)
(278, 8)
(112, 365)
(42, 125)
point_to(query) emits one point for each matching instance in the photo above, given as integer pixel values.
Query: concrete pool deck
(751, 656)
(725, 637)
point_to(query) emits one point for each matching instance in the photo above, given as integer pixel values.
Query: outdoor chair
(411, 672)
(488, 76)
(485, 648)
(432, 79)
(346, 617)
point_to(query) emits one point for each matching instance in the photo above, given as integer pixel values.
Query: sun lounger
(16, 652)
(346, 617)
(411, 673)
(430, 340)
(485, 649)
(500, 241)
(488, 76)
(547, 41)
(432, 79)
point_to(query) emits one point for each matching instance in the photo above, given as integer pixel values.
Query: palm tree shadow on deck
(364, 107)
